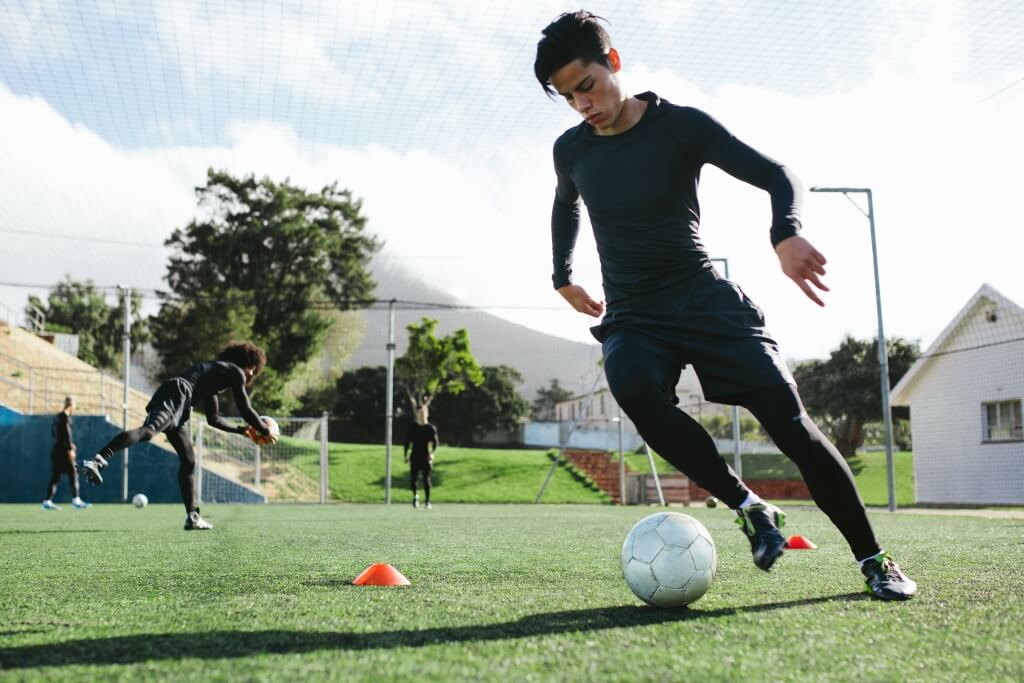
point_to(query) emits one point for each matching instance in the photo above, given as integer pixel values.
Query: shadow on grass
(132, 649)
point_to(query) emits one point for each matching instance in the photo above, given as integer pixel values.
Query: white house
(965, 395)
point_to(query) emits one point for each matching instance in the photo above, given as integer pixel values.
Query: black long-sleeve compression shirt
(640, 189)
(212, 377)
(62, 431)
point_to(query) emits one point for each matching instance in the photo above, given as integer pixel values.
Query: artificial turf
(499, 592)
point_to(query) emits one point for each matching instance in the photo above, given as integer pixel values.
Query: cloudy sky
(111, 112)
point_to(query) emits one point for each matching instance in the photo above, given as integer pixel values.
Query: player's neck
(632, 111)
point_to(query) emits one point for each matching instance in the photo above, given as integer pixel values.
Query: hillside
(494, 341)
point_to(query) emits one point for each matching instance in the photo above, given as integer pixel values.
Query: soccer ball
(275, 432)
(139, 500)
(669, 559)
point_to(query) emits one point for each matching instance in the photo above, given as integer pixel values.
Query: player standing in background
(422, 438)
(636, 162)
(171, 407)
(62, 458)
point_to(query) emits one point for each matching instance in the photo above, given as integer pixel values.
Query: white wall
(951, 463)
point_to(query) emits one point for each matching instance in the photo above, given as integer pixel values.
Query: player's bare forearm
(581, 301)
(803, 264)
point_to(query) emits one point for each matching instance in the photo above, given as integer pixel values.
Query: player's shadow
(226, 644)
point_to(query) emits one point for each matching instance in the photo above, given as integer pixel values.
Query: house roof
(986, 294)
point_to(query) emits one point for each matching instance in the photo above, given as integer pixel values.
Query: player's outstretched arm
(245, 407)
(581, 301)
(803, 264)
(212, 409)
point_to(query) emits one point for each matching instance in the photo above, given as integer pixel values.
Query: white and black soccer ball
(139, 500)
(669, 559)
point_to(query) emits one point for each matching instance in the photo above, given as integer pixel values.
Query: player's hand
(581, 301)
(802, 264)
(270, 439)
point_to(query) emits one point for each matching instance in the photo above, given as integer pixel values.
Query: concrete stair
(599, 466)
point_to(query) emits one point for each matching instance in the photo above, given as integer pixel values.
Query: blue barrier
(25, 442)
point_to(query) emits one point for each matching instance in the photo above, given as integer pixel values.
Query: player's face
(593, 90)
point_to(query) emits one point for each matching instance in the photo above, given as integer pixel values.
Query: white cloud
(941, 165)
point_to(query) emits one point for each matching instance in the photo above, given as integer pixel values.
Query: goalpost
(231, 468)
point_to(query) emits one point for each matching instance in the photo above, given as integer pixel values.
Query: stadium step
(599, 466)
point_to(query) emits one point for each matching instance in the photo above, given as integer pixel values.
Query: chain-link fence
(292, 470)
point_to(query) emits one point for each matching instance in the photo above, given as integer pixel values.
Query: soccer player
(170, 408)
(636, 161)
(422, 438)
(62, 458)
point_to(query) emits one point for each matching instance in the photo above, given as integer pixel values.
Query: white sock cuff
(873, 557)
(751, 499)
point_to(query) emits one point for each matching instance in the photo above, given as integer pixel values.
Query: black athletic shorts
(171, 405)
(707, 322)
(60, 461)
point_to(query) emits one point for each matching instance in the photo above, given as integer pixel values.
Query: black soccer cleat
(760, 522)
(91, 469)
(885, 579)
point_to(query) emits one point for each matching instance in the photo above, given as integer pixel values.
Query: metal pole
(622, 465)
(127, 350)
(654, 473)
(323, 458)
(883, 363)
(258, 461)
(883, 351)
(390, 410)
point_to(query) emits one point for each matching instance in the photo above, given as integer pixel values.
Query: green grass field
(499, 592)
(478, 475)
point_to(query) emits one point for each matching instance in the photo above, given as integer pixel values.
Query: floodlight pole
(390, 410)
(126, 349)
(737, 454)
(883, 352)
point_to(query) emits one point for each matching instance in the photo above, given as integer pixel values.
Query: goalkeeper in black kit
(170, 408)
(422, 438)
(635, 161)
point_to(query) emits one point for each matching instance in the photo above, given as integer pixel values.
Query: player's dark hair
(572, 36)
(244, 355)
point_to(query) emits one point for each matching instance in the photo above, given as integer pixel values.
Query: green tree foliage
(493, 405)
(261, 265)
(435, 365)
(547, 397)
(79, 308)
(720, 427)
(360, 403)
(843, 392)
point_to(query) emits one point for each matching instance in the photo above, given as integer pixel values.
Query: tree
(547, 398)
(433, 366)
(360, 403)
(844, 393)
(493, 405)
(79, 308)
(262, 264)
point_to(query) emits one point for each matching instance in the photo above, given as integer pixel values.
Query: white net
(236, 469)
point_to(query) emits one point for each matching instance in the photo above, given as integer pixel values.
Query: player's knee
(146, 433)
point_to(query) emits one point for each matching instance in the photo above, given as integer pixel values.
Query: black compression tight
(645, 388)
(182, 443)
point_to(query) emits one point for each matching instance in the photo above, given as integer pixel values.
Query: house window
(1001, 421)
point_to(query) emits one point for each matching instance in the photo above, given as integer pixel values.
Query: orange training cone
(800, 543)
(380, 574)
